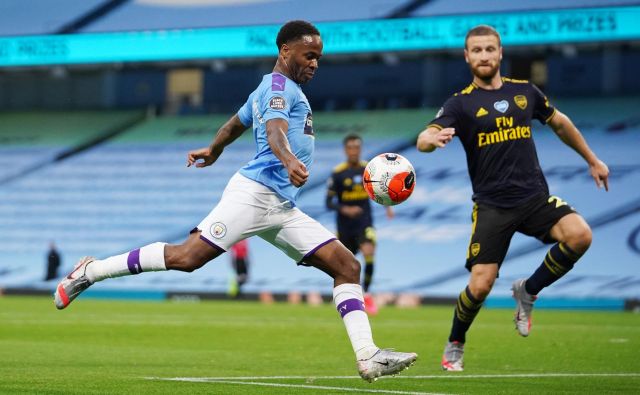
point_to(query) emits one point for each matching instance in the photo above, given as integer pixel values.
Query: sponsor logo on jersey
(521, 101)
(277, 103)
(481, 112)
(218, 230)
(256, 111)
(506, 131)
(278, 82)
(501, 106)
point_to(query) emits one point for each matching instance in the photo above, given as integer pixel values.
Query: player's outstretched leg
(372, 362)
(187, 257)
(90, 270)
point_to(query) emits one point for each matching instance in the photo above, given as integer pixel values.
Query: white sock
(149, 258)
(350, 304)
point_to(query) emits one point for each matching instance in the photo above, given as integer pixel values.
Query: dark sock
(368, 273)
(466, 310)
(558, 261)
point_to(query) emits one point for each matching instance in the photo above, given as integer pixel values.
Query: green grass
(114, 347)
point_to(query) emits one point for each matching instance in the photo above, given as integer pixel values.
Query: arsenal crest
(521, 101)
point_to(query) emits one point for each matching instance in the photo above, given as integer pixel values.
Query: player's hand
(600, 173)
(351, 211)
(298, 174)
(390, 212)
(202, 157)
(443, 137)
(433, 138)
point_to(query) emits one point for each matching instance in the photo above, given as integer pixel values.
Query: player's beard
(300, 74)
(486, 73)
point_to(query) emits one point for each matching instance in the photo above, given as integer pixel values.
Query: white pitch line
(442, 376)
(313, 387)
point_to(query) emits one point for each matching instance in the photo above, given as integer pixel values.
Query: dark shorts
(354, 238)
(493, 227)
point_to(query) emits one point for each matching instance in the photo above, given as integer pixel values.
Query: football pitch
(237, 347)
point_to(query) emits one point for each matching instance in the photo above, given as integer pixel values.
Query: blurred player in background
(492, 117)
(347, 196)
(240, 264)
(53, 262)
(260, 200)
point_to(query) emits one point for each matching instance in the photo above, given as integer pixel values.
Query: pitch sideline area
(249, 348)
(259, 381)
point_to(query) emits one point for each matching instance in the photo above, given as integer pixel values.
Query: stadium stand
(445, 7)
(140, 189)
(41, 16)
(136, 189)
(32, 139)
(178, 14)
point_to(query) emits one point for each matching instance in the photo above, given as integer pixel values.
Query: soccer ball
(389, 179)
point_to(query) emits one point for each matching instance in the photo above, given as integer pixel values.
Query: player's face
(352, 149)
(483, 54)
(301, 57)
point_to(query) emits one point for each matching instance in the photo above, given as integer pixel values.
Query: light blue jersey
(278, 97)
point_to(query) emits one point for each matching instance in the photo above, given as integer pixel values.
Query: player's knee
(482, 291)
(481, 287)
(580, 238)
(350, 269)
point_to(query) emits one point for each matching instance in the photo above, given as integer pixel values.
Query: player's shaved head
(294, 30)
(482, 30)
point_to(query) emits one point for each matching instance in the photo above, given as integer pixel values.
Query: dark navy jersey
(345, 184)
(494, 127)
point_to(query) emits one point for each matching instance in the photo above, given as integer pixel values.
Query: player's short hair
(293, 30)
(482, 30)
(350, 137)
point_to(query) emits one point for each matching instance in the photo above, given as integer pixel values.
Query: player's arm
(227, 134)
(279, 144)
(434, 137)
(331, 200)
(571, 136)
(331, 203)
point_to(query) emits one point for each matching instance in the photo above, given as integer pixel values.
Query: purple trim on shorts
(308, 254)
(212, 244)
(350, 305)
(133, 262)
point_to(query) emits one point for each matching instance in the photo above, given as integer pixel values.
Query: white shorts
(248, 208)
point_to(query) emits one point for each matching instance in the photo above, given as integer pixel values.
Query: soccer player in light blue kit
(260, 200)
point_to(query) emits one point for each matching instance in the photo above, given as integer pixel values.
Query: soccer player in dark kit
(347, 196)
(492, 118)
